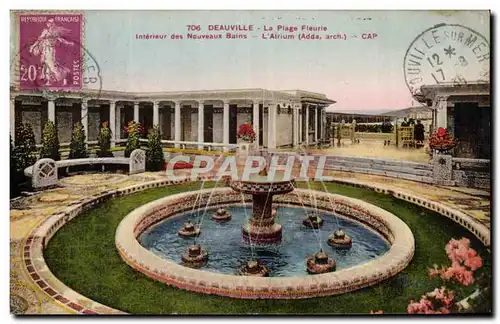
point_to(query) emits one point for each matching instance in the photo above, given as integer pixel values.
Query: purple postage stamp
(50, 51)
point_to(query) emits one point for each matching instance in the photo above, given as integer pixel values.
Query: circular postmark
(446, 54)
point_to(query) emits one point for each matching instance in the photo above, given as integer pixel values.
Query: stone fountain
(262, 228)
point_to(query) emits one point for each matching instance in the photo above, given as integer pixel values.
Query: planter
(245, 146)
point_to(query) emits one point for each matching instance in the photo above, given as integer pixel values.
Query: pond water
(227, 251)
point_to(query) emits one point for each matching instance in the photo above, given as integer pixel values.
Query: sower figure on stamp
(52, 70)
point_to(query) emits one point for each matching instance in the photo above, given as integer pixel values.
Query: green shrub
(387, 127)
(50, 142)
(154, 154)
(104, 141)
(77, 146)
(134, 133)
(15, 174)
(24, 146)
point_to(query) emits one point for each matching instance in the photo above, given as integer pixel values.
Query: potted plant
(246, 134)
(104, 141)
(134, 130)
(50, 142)
(78, 147)
(441, 141)
(155, 158)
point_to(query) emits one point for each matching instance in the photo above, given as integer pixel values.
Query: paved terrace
(28, 212)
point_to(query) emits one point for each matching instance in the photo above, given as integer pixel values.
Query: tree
(50, 142)
(24, 146)
(387, 127)
(154, 155)
(104, 141)
(77, 146)
(133, 130)
(15, 175)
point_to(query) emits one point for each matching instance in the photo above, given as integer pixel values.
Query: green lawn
(82, 254)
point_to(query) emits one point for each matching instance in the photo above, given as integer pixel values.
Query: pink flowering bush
(464, 261)
(438, 301)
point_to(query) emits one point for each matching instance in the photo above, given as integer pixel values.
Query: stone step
(380, 167)
(372, 161)
(405, 176)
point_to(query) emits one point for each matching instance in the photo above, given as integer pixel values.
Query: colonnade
(273, 127)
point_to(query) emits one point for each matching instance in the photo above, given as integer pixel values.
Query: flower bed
(184, 165)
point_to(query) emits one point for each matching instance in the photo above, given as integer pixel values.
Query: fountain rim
(387, 265)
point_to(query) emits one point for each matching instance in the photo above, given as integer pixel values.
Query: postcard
(300, 162)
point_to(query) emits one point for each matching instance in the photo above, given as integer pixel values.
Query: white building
(202, 119)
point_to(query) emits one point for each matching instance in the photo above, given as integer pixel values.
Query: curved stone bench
(44, 173)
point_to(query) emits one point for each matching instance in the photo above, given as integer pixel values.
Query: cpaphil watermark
(250, 168)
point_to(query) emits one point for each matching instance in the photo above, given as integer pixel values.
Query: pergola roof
(429, 92)
(258, 94)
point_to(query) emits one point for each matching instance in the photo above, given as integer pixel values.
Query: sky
(360, 75)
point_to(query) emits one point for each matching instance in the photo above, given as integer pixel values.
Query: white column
(441, 104)
(118, 122)
(316, 124)
(201, 124)
(156, 113)
(85, 118)
(136, 111)
(295, 127)
(177, 136)
(321, 134)
(225, 125)
(13, 119)
(307, 124)
(112, 121)
(271, 126)
(256, 125)
(51, 107)
(299, 111)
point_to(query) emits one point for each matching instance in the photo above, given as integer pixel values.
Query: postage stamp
(50, 51)
(446, 53)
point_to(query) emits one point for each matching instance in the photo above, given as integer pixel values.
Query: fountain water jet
(339, 239)
(189, 230)
(254, 268)
(313, 221)
(195, 256)
(320, 263)
(221, 215)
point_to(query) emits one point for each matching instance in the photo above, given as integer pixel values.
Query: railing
(472, 173)
(408, 170)
(405, 136)
(198, 145)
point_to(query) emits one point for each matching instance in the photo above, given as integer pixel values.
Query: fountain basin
(387, 225)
